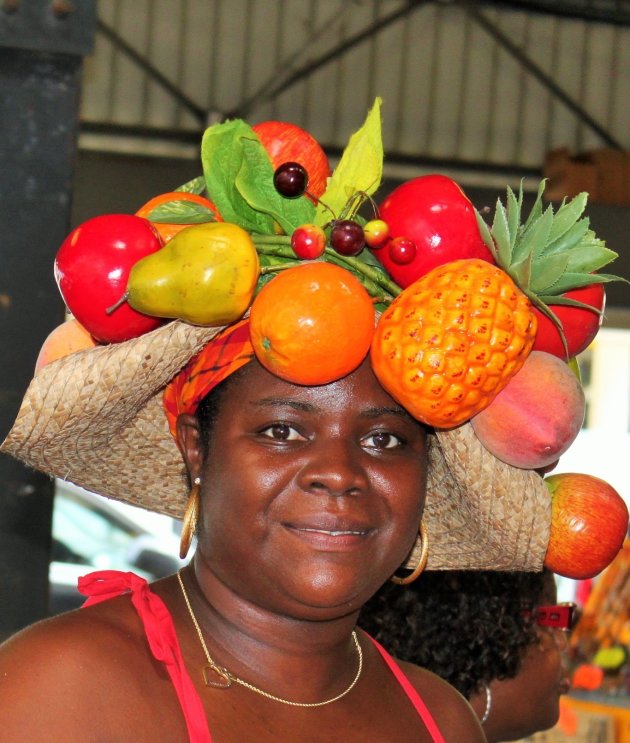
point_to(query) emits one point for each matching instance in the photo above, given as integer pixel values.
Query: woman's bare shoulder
(52, 673)
(451, 711)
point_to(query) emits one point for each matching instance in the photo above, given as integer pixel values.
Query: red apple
(434, 213)
(92, 267)
(589, 522)
(580, 326)
(290, 143)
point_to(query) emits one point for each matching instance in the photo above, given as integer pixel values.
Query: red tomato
(92, 267)
(580, 326)
(290, 143)
(433, 212)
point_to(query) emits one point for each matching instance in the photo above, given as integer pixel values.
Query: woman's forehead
(254, 383)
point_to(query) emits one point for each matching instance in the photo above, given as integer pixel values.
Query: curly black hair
(469, 627)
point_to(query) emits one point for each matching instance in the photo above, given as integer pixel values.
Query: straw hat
(95, 418)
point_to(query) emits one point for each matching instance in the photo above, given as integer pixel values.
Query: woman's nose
(334, 465)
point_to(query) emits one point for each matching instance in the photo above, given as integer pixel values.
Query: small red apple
(589, 522)
(286, 142)
(580, 325)
(92, 267)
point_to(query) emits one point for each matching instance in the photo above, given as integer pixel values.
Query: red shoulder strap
(161, 636)
(410, 691)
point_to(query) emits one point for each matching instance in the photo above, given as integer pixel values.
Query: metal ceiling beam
(537, 72)
(173, 90)
(611, 12)
(266, 94)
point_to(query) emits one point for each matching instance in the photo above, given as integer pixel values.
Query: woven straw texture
(95, 418)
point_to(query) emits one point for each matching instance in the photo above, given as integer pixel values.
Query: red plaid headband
(225, 353)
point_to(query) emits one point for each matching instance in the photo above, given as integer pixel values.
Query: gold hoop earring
(422, 562)
(189, 523)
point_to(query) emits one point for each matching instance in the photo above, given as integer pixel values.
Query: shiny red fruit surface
(580, 325)
(92, 267)
(433, 212)
(286, 142)
(589, 521)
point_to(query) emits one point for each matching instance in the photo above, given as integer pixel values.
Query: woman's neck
(268, 649)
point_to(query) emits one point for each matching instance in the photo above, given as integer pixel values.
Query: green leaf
(181, 212)
(360, 167)
(569, 302)
(538, 234)
(536, 211)
(566, 216)
(486, 235)
(521, 272)
(569, 239)
(501, 235)
(576, 280)
(196, 185)
(548, 272)
(513, 207)
(255, 184)
(589, 258)
(222, 156)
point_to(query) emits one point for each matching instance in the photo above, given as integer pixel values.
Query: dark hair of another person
(469, 627)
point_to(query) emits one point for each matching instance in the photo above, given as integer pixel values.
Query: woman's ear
(189, 443)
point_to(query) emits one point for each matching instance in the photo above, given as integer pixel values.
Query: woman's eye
(383, 440)
(282, 432)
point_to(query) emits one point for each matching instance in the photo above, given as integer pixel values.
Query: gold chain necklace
(228, 678)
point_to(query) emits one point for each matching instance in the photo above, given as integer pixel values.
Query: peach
(66, 338)
(536, 417)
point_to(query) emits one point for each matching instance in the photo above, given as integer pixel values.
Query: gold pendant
(225, 681)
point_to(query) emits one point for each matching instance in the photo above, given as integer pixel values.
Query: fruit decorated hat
(253, 261)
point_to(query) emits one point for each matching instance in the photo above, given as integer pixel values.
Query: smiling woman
(306, 494)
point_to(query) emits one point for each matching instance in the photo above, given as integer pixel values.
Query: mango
(536, 417)
(206, 275)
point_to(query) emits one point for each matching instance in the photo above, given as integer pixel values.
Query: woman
(498, 638)
(310, 500)
(304, 499)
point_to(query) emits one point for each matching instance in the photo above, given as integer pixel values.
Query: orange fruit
(169, 230)
(312, 324)
(65, 339)
(452, 340)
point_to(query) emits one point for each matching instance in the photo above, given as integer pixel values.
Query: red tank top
(162, 638)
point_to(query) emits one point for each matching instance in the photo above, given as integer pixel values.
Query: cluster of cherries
(347, 236)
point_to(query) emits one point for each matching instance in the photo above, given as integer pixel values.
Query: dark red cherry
(290, 180)
(346, 237)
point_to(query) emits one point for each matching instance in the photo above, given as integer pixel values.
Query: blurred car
(91, 533)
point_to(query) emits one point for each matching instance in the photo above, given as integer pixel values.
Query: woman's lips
(331, 538)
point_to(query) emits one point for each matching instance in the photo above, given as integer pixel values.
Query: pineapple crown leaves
(550, 253)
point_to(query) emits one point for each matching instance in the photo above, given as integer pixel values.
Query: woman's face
(311, 496)
(533, 696)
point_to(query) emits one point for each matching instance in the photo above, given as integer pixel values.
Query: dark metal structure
(42, 44)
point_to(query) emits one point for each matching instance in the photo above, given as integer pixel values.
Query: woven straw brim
(95, 418)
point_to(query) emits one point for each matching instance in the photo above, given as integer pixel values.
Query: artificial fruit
(92, 268)
(433, 212)
(206, 275)
(589, 521)
(536, 417)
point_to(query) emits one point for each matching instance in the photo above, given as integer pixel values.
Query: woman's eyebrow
(380, 411)
(268, 402)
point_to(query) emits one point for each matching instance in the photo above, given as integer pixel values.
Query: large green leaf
(359, 170)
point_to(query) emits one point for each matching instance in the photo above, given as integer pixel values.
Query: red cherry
(347, 237)
(290, 180)
(376, 233)
(401, 250)
(308, 241)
